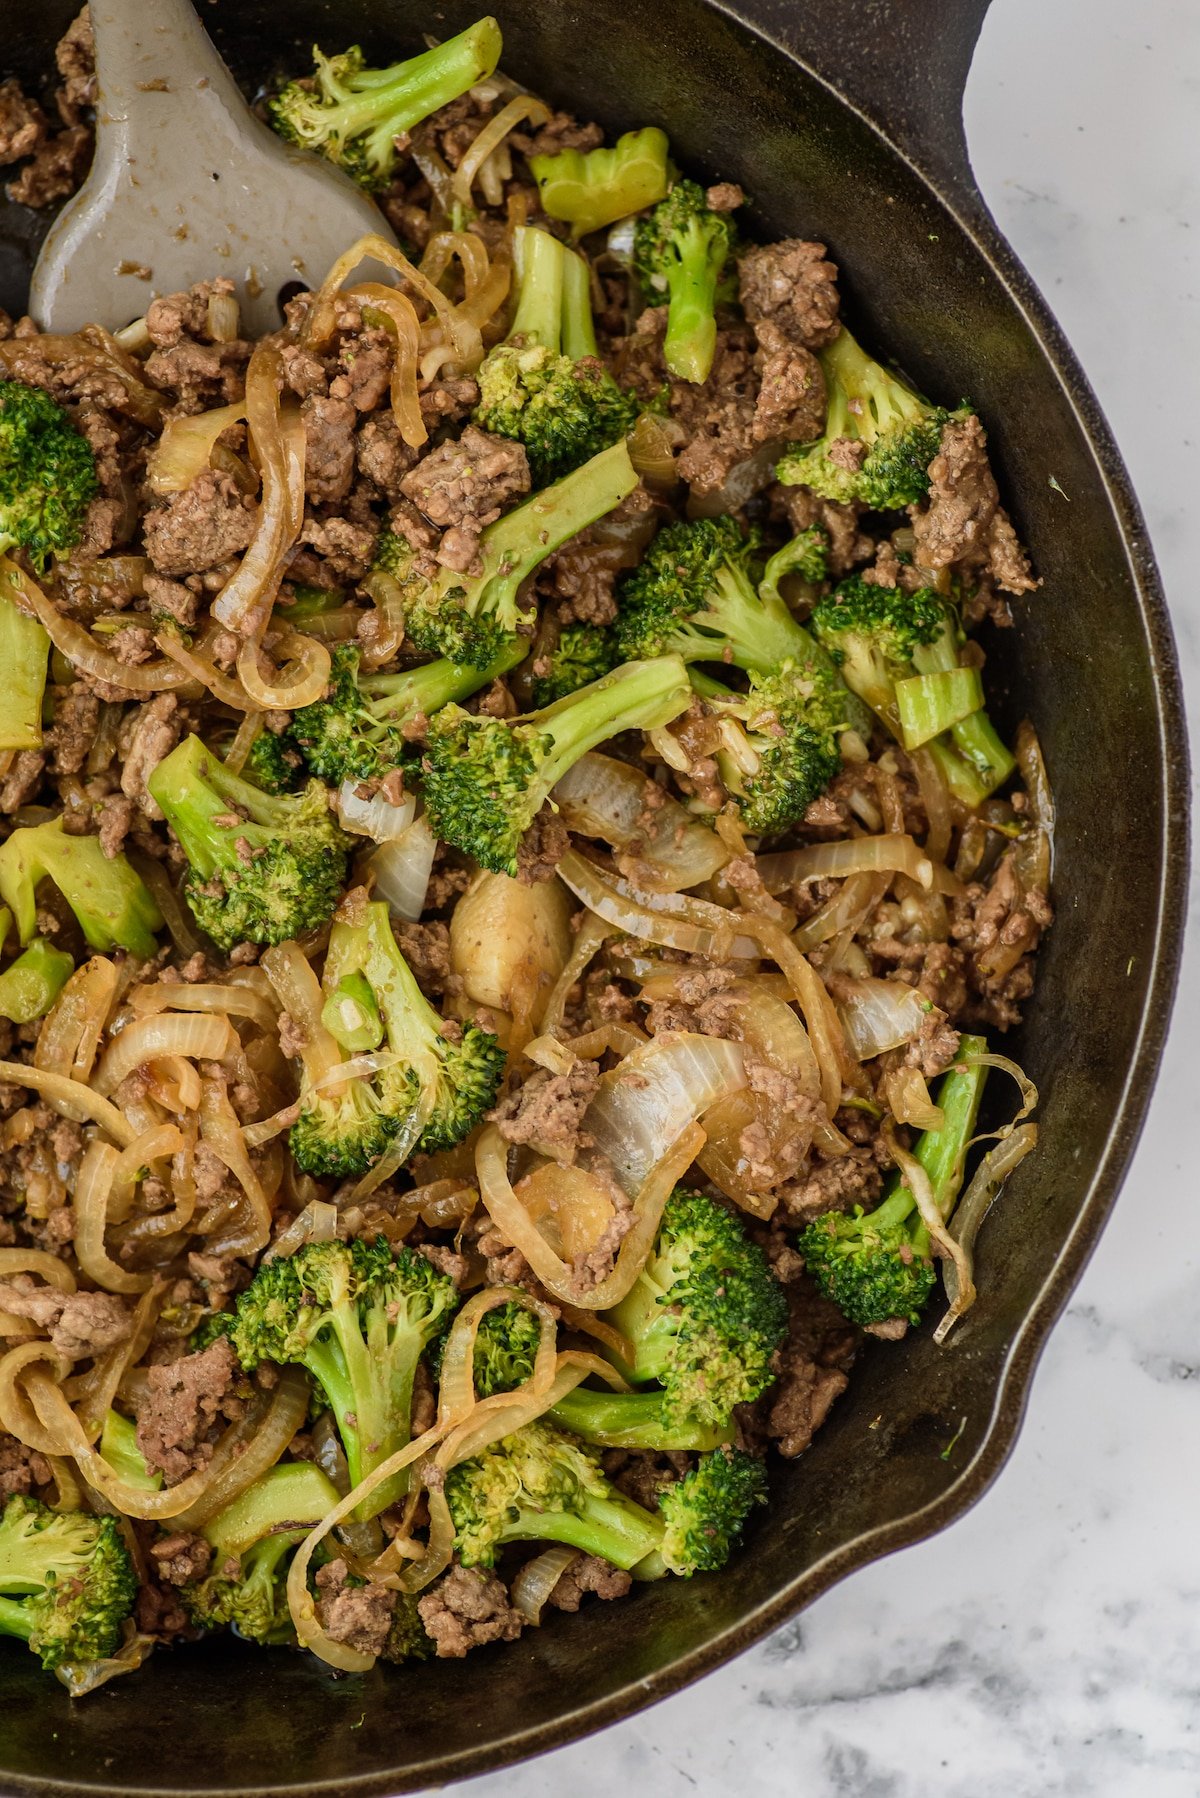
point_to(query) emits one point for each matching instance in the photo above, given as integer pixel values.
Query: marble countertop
(1047, 1645)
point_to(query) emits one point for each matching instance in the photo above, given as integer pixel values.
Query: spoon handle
(149, 48)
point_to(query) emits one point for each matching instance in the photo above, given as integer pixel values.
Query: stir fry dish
(510, 892)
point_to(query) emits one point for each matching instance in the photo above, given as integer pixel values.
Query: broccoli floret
(544, 385)
(67, 1582)
(356, 731)
(899, 432)
(437, 1081)
(582, 654)
(111, 902)
(705, 1316)
(541, 1485)
(877, 1265)
(407, 1640)
(262, 867)
(680, 249)
(887, 644)
(779, 742)
(359, 1318)
(210, 1329)
(506, 1344)
(257, 1532)
(593, 188)
(25, 658)
(47, 475)
(472, 618)
(806, 554)
(272, 764)
(30, 984)
(354, 115)
(487, 778)
(692, 595)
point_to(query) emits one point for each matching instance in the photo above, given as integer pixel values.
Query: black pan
(842, 118)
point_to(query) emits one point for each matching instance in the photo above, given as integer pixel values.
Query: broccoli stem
(629, 1420)
(618, 1530)
(31, 984)
(941, 1152)
(540, 301)
(18, 1619)
(928, 704)
(118, 1446)
(690, 342)
(990, 760)
(578, 325)
(434, 684)
(595, 188)
(24, 657)
(637, 695)
(293, 1492)
(391, 101)
(520, 541)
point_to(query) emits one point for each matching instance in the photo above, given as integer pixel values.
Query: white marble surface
(1049, 1643)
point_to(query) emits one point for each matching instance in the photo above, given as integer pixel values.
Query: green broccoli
(544, 385)
(47, 475)
(779, 742)
(589, 189)
(877, 1265)
(472, 618)
(705, 1315)
(439, 1077)
(541, 1485)
(680, 250)
(505, 1346)
(110, 901)
(806, 554)
(900, 653)
(899, 434)
(262, 867)
(273, 764)
(119, 1447)
(487, 778)
(30, 984)
(582, 654)
(25, 659)
(356, 731)
(354, 115)
(67, 1582)
(252, 1541)
(407, 1640)
(359, 1318)
(692, 595)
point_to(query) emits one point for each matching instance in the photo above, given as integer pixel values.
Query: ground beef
(813, 1370)
(588, 1573)
(465, 485)
(934, 1047)
(725, 196)
(75, 56)
(998, 928)
(22, 780)
(642, 1473)
(21, 1468)
(836, 1185)
(547, 1110)
(173, 599)
(183, 1405)
(329, 426)
(426, 949)
(58, 166)
(560, 132)
(347, 546)
(80, 1324)
(800, 510)
(789, 293)
(466, 1609)
(791, 396)
(205, 524)
(22, 123)
(147, 739)
(542, 848)
(181, 1557)
(359, 1616)
(382, 454)
(962, 522)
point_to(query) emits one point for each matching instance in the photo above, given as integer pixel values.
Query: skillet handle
(904, 64)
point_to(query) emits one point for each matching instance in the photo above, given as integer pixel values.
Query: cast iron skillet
(844, 123)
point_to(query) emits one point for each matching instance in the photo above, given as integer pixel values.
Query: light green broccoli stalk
(680, 250)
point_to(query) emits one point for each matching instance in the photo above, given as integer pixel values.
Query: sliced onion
(509, 942)
(401, 316)
(70, 1035)
(645, 1103)
(245, 737)
(82, 1677)
(603, 797)
(233, 1000)
(523, 106)
(537, 1580)
(657, 918)
(175, 914)
(321, 321)
(244, 602)
(1033, 853)
(205, 1037)
(935, 797)
(973, 1207)
(878, 1015)
(892, 852)
(183, 450)
(844, 914)
(81, 649)
(302, 681)
(222, 1133)
(589, 938)
(197, 665)
(93, 1186)
(907, 1095)
(400, 870)
(375, 817)
(71, 1097)
(223, 317)
(318, 1222)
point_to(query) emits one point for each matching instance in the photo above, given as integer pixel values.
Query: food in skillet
(510, 887)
